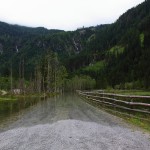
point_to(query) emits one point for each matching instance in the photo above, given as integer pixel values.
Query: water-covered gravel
(68, 123)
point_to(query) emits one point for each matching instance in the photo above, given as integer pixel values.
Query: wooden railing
(132, 105)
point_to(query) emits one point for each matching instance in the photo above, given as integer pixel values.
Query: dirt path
(68, 123)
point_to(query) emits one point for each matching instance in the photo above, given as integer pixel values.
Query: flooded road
(62, 107)
(68, 123)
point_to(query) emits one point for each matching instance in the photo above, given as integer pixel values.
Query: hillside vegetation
(113, 55)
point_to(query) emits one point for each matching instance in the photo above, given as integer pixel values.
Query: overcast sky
(63, 14)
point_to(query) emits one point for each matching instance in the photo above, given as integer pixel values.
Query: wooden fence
(130, 105)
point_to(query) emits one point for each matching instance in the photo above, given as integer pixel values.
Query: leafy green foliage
(96, 67)
(142, 39)
(114, 55)
(80, 83)
(116, 50)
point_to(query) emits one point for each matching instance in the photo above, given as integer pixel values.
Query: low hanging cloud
(63, 14)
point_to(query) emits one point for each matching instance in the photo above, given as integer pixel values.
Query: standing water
(67, 122)
(50, 110)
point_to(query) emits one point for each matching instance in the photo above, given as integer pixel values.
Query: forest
(115, 55)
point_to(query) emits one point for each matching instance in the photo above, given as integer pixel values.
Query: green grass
(130, 92)
(16, 97)
(144, 125)
(133, 120)
(7, 99)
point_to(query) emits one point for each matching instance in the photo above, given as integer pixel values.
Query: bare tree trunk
(43, 88)
(48, 75)
(19, 75)
(31, 86)
(11, 78)
(39, 81)
(35, 80)
(23, 77)
(55, 80)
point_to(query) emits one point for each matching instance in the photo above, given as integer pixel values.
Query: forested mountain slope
(116, 55)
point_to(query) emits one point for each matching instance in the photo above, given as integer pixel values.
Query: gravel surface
(73, 135)
(68, 123)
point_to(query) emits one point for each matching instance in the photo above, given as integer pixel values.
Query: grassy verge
(139, 123)
(7, 99)
(130, 92)
(145, 125)
(15, 97)
(136, 121)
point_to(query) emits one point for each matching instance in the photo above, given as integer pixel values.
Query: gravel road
(68, 123)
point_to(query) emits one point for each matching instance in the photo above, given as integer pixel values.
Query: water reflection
(50, 110)
(9, 107)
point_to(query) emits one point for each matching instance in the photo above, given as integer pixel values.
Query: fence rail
(130, 104)
(117, 95)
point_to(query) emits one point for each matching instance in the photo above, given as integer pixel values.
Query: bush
(80, 83)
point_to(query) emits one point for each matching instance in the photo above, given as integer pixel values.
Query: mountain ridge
(123, 46)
